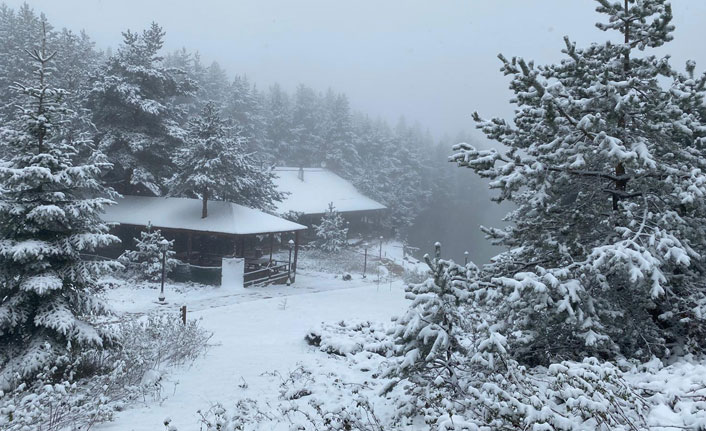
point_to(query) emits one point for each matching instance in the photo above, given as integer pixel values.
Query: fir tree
(214, 165)
(242, 108)
(136, 107)
(19, 31)
(146, 259)
(332, 232)
(278, 121)
(214, 84)
(49, 218)
(606, 165)
(307, 122)
(338, 150)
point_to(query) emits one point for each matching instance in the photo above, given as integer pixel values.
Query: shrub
(86, 388)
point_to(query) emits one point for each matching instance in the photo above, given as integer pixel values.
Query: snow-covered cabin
(230, 230)
(310, 190)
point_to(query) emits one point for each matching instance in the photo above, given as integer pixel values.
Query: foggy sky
(432, 61)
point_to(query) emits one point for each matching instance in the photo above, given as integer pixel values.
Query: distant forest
(136, 104)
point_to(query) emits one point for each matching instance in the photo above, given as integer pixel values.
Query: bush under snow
(87, 388)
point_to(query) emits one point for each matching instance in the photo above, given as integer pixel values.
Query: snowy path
(254, 332)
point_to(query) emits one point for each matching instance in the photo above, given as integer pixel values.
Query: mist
(433, 62)
(371, 215)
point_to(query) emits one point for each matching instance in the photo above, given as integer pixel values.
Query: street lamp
(365, 262)
(465, 257)
(289, 267)
(164, 246)
(381, 238)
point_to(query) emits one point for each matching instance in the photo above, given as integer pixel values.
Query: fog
(432, 62)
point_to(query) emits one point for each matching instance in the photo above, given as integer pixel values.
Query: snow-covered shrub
(332, 232)
(87, 387)
(145, 261)
(350, 337)
(247, 414)
(307, 401)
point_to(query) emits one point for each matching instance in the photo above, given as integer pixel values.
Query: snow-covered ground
(256, 331)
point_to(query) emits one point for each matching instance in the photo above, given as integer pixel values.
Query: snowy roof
(319, 187)
(183, 213)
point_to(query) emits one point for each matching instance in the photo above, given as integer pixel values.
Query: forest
(585, 311)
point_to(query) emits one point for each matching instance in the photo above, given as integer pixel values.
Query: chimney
(301, 173)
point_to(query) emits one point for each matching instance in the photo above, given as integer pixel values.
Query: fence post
(183, 314)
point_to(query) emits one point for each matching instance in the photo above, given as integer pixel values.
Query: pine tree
(49, 218)
(214, 84)
(136, 107)
(241, 108)
(306, 132)
(146, 259)
(214, 165)
(430, 336)
(332, 232)
(338, 150)
(19, 30)
(389, 170)
(606, 165)
(278, 121)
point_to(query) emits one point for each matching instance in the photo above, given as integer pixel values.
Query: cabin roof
(319, 187)
(185, 214)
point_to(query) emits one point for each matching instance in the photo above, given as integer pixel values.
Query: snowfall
(258, 336)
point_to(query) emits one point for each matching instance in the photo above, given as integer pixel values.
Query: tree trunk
(204, 208)
(621, 184)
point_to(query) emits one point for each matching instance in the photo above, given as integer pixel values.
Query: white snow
(255, 331)
(184, 213)
(318, 188)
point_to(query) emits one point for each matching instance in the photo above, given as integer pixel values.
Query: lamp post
(381, 238)
(289, 267)
(365, 261)
(465, 257)
(164, 246)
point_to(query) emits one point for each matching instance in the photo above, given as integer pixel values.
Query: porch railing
(273, 272)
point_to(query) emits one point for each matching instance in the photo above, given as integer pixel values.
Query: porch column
(296, 254)
(189, 236)
(272, 244)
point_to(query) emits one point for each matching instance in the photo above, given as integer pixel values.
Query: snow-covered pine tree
(430, 336)
(338, 143)
(19, 30)
(278, 122)
(214, 165)
(389, 170)
(49, 218)
(213, 83)
(242, 108)
(146, 259)
(332, 232)
(607, 167)
(306, 128)
(137, 105)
